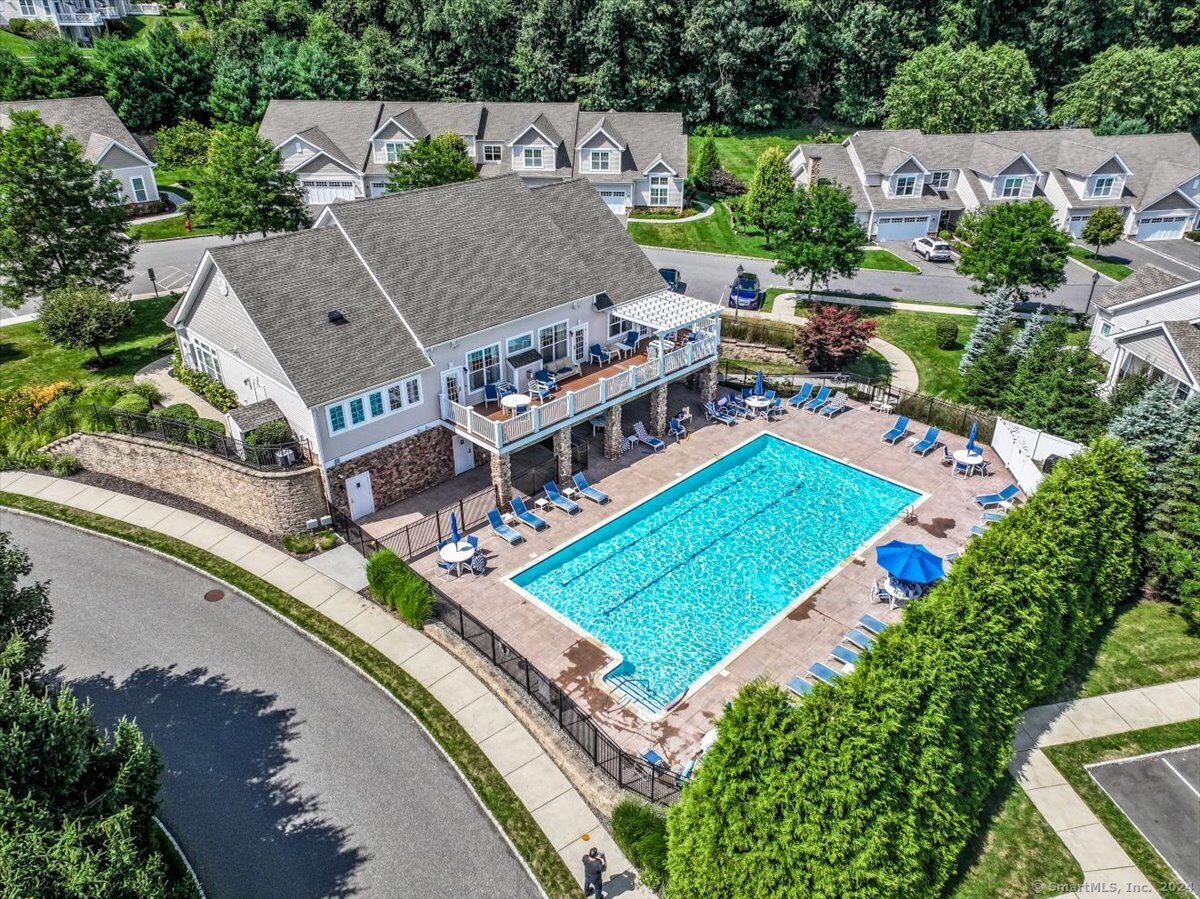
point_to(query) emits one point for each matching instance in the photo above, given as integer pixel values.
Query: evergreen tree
(986, 381)
(233, 100)
(1103, 227)
(1036, 363)
(276, 72)
(181, 70)
(14, 77)
(996, 313)
(59, 224)
(317, 75)
(1173, 538)
(706, 163)
(821, 236)
(1028, 334)
(430, 162)
(57, 68)
(768, 198)
(1064, 401)
(242, 188)
(1156, 424)
(130, 88)
(25, 613)
(1128, 390)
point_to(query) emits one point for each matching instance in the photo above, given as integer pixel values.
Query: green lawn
(1145, 643)
(165, 229)
(1070, 759)
(914, 332)
(1118, 271)
(739, 154)
(26, 357)
(178, 180)
(886, 261)
(139, 27)
(1013, 849)
(20, 46)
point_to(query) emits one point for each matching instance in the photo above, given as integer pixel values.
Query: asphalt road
(287, 773)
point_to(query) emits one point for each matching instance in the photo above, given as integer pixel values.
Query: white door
(325, 192)
(453, 380)
(464, 455)
(901, 227)
(614, 200)
(579, 344)
(1161, 227)
(359, 495)
(1075, 224)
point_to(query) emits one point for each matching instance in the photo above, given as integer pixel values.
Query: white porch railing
(78, 18)
(146, 9)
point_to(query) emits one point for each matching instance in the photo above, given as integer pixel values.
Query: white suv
(932, 249)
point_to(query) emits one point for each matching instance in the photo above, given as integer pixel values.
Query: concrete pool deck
(805, 635)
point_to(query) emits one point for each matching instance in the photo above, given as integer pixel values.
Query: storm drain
(214, 595)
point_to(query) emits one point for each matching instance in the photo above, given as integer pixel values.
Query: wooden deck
(590, 375)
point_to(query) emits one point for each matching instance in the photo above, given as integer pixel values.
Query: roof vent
(336, 317)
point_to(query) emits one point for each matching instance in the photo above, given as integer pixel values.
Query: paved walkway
(1107, 869)
(558, 808)
(704, 213)
(158, 373)
(904, 372)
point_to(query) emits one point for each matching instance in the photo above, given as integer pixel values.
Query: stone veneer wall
(399, 469)
(276, 502)
(758, 352)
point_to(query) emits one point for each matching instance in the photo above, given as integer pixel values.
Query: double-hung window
(139, 189)
(659, 191)
(483, 367)
(492, 153)
(600, 160)
(1012, 187)
(552, 342)
(906, 185)
(27, 8)
(1104, 186)
(393, 150)
(531, 157)
(939, 180)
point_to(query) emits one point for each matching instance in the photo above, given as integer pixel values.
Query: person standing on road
(594, 866)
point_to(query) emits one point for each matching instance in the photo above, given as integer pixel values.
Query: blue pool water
(679, 581)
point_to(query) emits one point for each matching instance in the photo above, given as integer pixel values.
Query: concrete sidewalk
(1107, 868)
(558, 808)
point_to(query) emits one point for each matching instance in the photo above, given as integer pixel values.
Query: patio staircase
(636, 690)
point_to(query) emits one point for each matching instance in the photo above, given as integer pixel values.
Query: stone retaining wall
(758, 352)
(275, 502)
(398, 470)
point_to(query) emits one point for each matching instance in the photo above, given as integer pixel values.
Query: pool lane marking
(1187, 783)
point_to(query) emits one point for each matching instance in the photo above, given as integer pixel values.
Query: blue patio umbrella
(758, 385)
(910, 562)
(971, 448)
(453, 528)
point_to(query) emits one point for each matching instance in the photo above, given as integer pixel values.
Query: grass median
(495, 792)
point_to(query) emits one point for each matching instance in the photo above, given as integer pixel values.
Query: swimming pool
(678, 582)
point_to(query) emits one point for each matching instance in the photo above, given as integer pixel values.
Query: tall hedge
(873, 787)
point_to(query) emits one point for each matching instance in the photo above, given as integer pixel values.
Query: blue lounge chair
(676, 429)
(653, 444)
(599, 354)
(845, 655)
(996, 499)
(596, 496)
(859, 639)
(802, 397)
(926, 443)
(500, 529)
(835, 405)
(819, 400)
(492, 393)
(775, 408)
(654, 758)
(446, 568)
(769, 394)
(821, 671)
(567, 505)
(977, 530)
(872, 624)
(899, 430)
(990, 517)
(473, 540)
(799, 686)
(712, 413)
(519, 509)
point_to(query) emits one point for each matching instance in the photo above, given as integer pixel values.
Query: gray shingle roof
(834, 164)
(322, 142)
(90, 120)
(1082, 158)
(1146, 280)
(247, 418)
(288, 285)
(646, 136)
(1187, 338)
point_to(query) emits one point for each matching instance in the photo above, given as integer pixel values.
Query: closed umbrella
(971, 448)
(453, 528)
(758, 385)
(910, 562)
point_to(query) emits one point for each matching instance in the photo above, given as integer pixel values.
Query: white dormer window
(939, 180)
(600, 160)
(906, 185)
(1012, 187)
(492, 154)
(531, 158)
(393, 150)
(1104, 186)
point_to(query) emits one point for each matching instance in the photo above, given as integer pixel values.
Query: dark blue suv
(744, 293)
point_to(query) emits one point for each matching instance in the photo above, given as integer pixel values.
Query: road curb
(187, 862)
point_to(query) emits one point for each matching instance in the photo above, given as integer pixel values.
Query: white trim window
(514, 345)
(1106, 329)
(1103, 186)
(492, 154)
(138, 185)
(206, 359)
(660, 190)
(552, 341)
(28, 10)
(531, 158)
(1012, 187)
(483, 367)
(906, 185)
(618, 327)
(393, 150)
(599, 161)
(939, 180)
(358, 410)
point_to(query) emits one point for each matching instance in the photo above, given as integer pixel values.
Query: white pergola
(667, 311)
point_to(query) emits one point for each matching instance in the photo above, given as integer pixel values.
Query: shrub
(22, 404)
(132, 402)
(326, 540)
(179, 412)
(216, 393)
(64, 464)
(834, 337)
(398, 586)
(874, 786)
(148, 390)
(945, 235)
(183, 146)
(641, 832)
(715, 129)
(273, 433)
(205, 433)
(1193, 235)
(723, 184)
(947, 335)
(299, 544)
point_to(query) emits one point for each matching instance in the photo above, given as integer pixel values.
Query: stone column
(708, 381)
(612, 432)
(562, 452)
(658, 411)
(501, 465)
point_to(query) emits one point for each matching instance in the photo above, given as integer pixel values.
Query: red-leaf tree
(834, 337)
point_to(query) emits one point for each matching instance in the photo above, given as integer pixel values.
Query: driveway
(287, 773)
(1179, 257)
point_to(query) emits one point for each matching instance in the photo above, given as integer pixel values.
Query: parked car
(932, 249)
(673, 277)
(745, 292)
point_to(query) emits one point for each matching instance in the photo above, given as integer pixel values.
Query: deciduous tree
(1160, 87)
(627, 50)
(1103, 227)
(1019, 247)
(14, 77)
(432, 161)
(834, 337)
(83, 317)
(821, 236)
(769, 196)
(58, 68)
(25, 613)
(60, 224)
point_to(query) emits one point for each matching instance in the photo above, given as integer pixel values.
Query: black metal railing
(355, 536)
(529, 479)
(422, 536)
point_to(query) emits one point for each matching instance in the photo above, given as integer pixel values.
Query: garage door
(1161, 227)
(897, 227)
(321, 192)
(1075, 224)
(615, 200)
